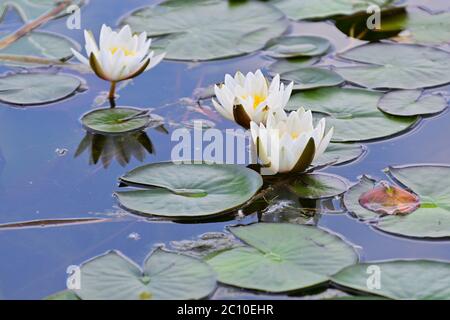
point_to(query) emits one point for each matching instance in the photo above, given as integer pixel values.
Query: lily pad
(318, 186)
(400, 279)
(286, 65)
(31, 9)
(411, 102)
(340, 153)
(282, 257)
(165, 275)
(26, 89)
(352, 112)
(424, 67)
(297, 46)
(310, 78)
(313, 9)
(208, 29)
(188, 190)
(430, 220)
(38, 45)
(63, 295)
(115, 120)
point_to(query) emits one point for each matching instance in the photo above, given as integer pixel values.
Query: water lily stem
(112, 94)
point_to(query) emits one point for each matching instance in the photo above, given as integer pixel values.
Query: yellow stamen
(257, 99)
(125, 51)
(294, 135)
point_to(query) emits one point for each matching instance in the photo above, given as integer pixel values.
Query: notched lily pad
(399, 279)
(311, 77)
(386, 198)
(116, 120)
(318, 186)
(297, 46)
(29, 89)
(282, 257)
(208, 29)
(164, 276)
(188, 190)
(340, 153)
(431, 219)
(31, 9)
(286, 65)
(411, 102)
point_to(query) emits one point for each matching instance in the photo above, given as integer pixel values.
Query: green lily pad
(63, 295)
(297, 46)
(188, 190)
(282, 257)
(400, 279)
(27, 89)
(421, 27)
(340, 153)
(313, 9)
(318, 186)
(411, 102)
(165, 276)
(424, 67)
(31, 9)
(352, 112)
(310, 78)
(34, 45)
(430, 220)
(286, 65)
(208, 29)
(115, 120)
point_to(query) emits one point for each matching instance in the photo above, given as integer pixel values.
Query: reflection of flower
(250, 98)
(290, 142)
(120, 56)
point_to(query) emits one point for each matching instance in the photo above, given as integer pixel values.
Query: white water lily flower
(290, 142)
(250, 98)
(120, 55)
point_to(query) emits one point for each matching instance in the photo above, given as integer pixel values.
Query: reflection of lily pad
(282, 257)
(340, 153)
(309, 78)
(33, 89)
(400, 279)
(188, 190)
(208, 29)
(165, 275)
(411, 102)
(115, 120)
(318, 186)
(44, 45)
(311, 9)
(352, 112)
(423, 67)
(297, 46)
(430, 220)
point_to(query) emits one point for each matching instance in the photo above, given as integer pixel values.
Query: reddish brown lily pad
(389, 199)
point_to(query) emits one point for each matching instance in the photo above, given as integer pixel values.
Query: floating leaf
(28, 89)
(310, 78)
(282, 257)
(41, 45)
(297, 46)
(400, 279)
(352, 112)
(188, 190)
(165, 276)
(63, 295)
(286, 65)
(385, 198)
(313, 9)
(318, 186)
(115, 120)
(430, 220)
(411, 102)
(31, 9)
(340, 153)
(208, 29)
(424, 67)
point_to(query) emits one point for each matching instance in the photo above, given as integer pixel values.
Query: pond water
(42, 179)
